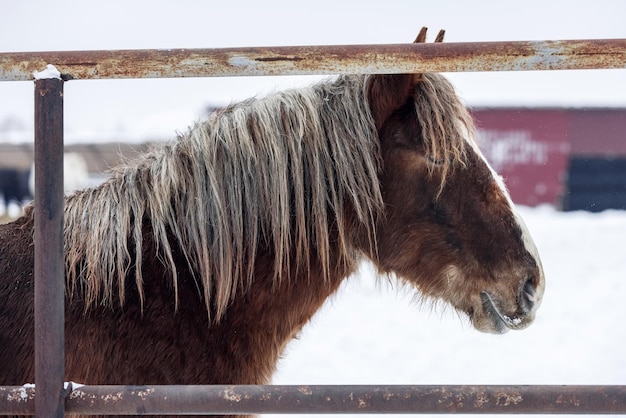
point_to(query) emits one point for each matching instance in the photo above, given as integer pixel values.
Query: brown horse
(199, 262)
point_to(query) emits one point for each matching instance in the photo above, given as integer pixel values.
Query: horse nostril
(528, 297)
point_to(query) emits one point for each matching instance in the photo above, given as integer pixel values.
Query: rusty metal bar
(231, 400)
(49, 266)
(300, 60)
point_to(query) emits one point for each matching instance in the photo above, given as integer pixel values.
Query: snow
(374, 332)
(50, 72)
(23, 394)
(71, 385)
(12, 210)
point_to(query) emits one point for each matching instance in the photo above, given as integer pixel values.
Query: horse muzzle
(494, 318)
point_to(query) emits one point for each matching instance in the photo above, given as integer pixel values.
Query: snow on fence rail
(55, 398)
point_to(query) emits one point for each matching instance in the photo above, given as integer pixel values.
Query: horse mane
(277, 171)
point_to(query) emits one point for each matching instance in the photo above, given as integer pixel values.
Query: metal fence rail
(399, 58)
(359, 399)
(54, 400)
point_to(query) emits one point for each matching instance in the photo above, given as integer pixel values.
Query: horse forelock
(446, 125)
(276, 171)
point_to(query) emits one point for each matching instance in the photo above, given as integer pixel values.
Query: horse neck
(244, 345)
(259, 324)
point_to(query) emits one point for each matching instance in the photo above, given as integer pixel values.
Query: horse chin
(490, 318)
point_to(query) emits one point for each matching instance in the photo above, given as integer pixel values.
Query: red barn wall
(529, 148)
(597, 132)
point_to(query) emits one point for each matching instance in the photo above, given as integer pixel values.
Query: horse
(199, 261)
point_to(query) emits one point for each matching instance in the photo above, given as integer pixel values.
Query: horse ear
(388, 92)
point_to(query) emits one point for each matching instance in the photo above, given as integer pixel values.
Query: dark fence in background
(54, 398)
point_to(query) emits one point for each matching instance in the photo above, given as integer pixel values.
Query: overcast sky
(163, 106)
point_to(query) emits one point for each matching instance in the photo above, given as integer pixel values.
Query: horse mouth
(501, 322)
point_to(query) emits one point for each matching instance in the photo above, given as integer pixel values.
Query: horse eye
(434, 160)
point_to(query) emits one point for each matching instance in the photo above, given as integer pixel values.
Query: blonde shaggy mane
(275, 172)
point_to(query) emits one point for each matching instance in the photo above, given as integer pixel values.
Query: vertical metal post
(49, 261)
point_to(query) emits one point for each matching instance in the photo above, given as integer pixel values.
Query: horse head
(449, 227)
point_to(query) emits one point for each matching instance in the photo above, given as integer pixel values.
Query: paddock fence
(54, 398)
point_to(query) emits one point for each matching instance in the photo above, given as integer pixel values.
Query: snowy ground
(374, 333)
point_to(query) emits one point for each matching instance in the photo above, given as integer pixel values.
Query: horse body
(198, 263)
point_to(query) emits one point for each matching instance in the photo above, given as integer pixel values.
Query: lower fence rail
(322, 399)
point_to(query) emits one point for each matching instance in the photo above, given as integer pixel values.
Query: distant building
(570, 158)
(16, 160)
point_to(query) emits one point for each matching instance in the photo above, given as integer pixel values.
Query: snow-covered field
(375, 333)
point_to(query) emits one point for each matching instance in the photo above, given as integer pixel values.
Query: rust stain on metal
(568, 400)
(142, 394)
(112, 397)
(481, 400)
(305, 390)
(277, 59)
(231, 395)
(459, 400)
(508, 398)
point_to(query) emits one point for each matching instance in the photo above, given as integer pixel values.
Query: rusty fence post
(49, 262)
